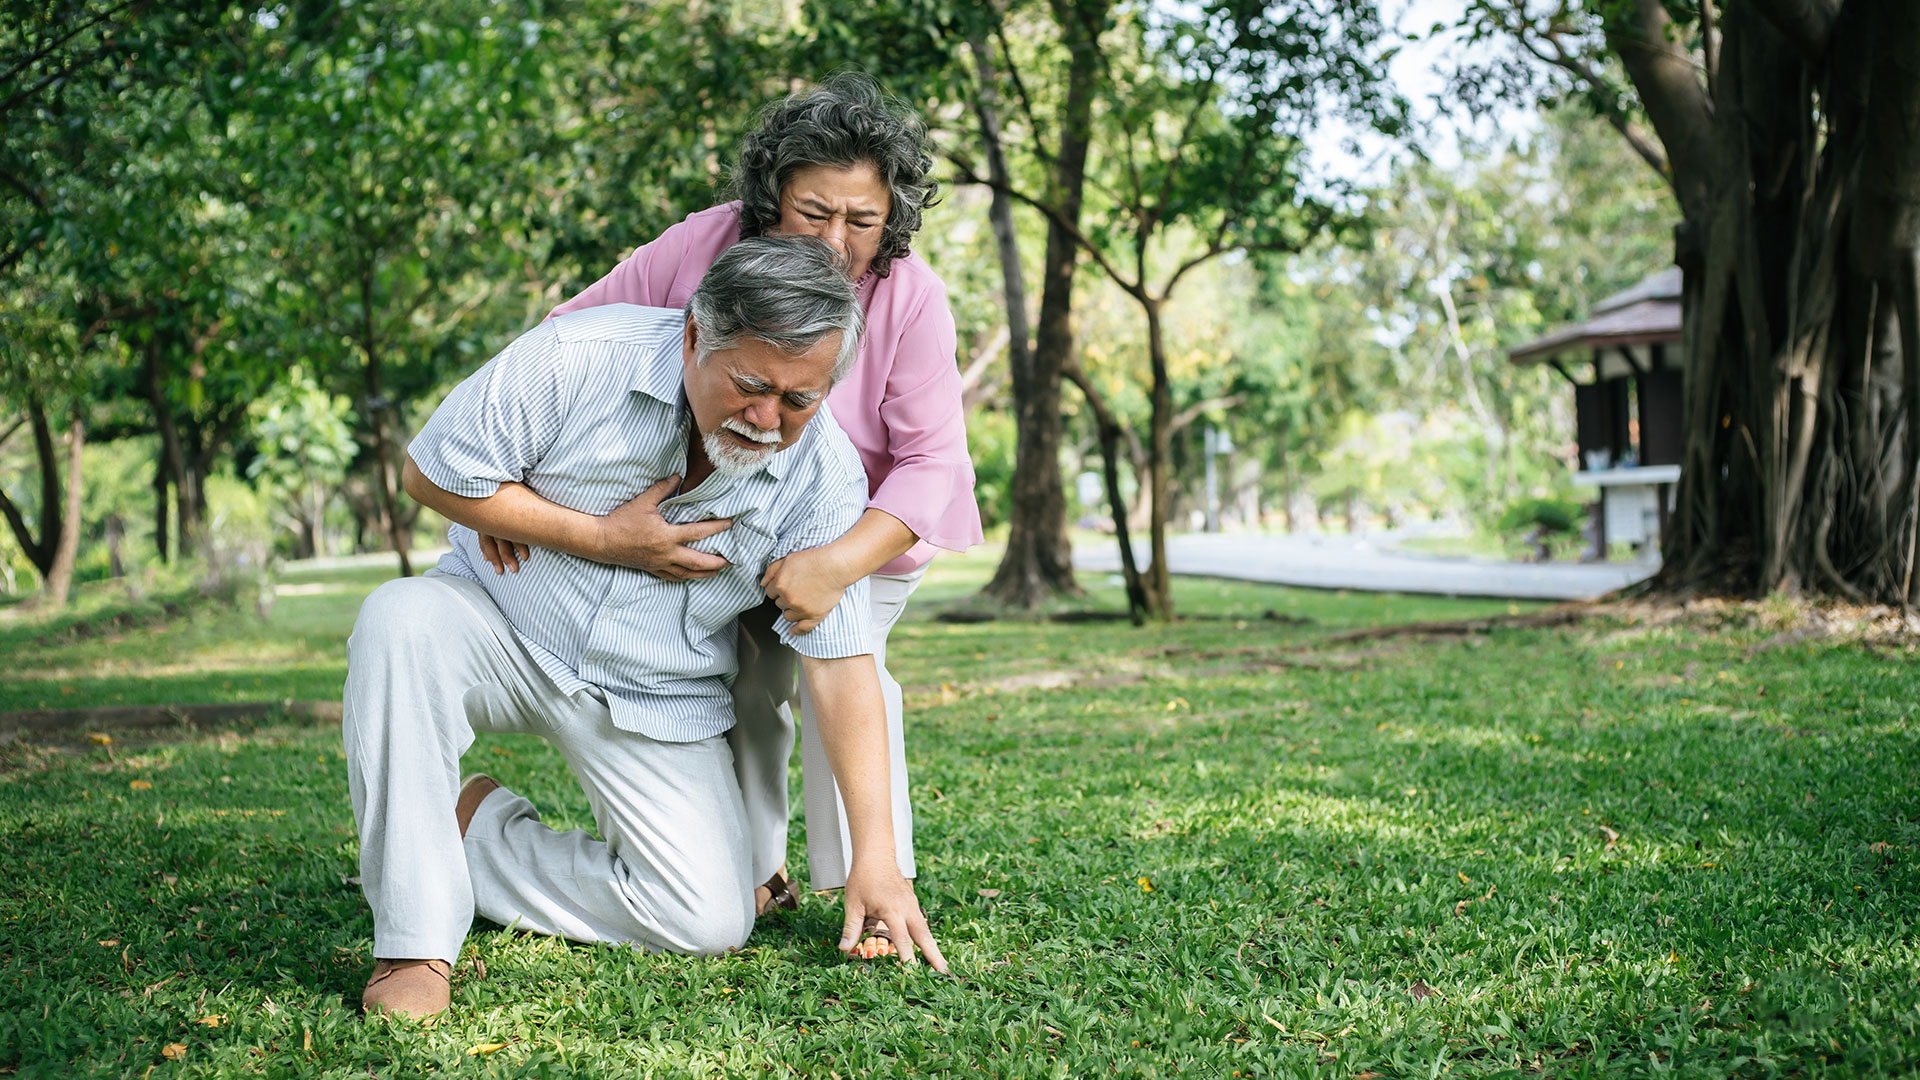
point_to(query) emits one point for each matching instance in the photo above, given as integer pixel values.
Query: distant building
(1630, 427)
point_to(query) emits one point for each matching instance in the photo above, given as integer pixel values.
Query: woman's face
(846, 207)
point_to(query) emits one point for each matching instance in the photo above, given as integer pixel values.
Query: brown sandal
(784, 895)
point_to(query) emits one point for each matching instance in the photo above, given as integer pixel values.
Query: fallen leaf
(306, 1039)
(100, 738)
(174, 1051)
(110, 942)
(1460, 908)
(989, 893)
(1177, 703)
(1368, 1075)
(1464, 879)
(140, 785)
(1420, 990)
(1610, 834)
(1146, 884)
(212, 1020)
(485, 1048)
(1275, 1023)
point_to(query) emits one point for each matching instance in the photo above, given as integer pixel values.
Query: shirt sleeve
(644, 277)
(847, 629)
(497, 424)
(930, 487)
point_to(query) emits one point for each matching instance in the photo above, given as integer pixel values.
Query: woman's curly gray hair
(845, 121)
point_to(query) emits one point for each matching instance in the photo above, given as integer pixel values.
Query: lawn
(1235, 847)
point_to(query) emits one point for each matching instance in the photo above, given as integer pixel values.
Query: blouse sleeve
(642, 278)
(930, 488)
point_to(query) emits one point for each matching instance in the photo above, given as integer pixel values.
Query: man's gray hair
(845, 121)
(788, 291)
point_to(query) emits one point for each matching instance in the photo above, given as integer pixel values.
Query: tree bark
(1800, 249)
(1159, 464)
(385, 483)
(66, 546)
(1111, 431)
(172, 453)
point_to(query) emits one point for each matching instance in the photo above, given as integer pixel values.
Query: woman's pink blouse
(901, 404)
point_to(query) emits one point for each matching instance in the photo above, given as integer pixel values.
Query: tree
(1038, 563)
(387, 151)
(1198, 157)
(1790, 133)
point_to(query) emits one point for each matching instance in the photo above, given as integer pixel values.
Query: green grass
(1225, 847)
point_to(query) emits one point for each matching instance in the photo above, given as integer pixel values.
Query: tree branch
(1807, 24)
(54, 44)
(1185, 417)
(1561, 57)
(38, 200)
(1053, 214)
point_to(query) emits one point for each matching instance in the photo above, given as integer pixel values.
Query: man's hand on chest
(634, 534)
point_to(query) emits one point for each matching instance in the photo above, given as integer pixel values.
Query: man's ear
(689, 342)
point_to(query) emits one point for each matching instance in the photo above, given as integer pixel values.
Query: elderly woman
(843, 164)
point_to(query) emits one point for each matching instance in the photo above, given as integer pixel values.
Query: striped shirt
(588, 411)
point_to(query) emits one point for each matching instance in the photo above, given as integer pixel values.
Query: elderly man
(625, 673)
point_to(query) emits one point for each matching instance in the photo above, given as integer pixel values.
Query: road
(1370, 564)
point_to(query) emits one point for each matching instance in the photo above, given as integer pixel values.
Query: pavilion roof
(1647, 313)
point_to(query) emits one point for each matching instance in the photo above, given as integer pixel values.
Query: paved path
(1370, 564)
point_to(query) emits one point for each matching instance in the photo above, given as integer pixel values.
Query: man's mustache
(748, 431)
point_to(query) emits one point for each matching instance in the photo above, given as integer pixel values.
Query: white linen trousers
(431, 661)
(762, 739)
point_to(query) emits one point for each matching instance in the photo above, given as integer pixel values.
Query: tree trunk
(1111, 433)
(1802, 314)
(161, 527)
(172, 454)
(1038, 563)
(66, 546)
(385, 484)
(40, 550)
(1159, 464)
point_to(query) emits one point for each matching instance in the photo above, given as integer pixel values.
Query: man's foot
(416, 989)
(473, 792)
(874, 940)
(777, 892)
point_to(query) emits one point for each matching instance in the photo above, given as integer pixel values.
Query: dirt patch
(75, 724)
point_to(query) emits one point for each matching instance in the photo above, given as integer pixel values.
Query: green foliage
(1546, 515)
(990, 441)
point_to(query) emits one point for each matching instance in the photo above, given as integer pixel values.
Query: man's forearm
(852, 720)
(513, 512)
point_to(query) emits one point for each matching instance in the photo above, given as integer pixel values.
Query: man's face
(753, 399)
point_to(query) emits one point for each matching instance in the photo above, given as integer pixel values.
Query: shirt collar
(658, 374)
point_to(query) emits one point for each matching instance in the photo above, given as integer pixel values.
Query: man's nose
(763, 414)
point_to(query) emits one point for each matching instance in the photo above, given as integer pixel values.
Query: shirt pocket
(714, 602)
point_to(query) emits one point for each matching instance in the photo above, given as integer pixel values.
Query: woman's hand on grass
(875, 888)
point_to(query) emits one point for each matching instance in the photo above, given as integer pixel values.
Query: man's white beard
(730, 458)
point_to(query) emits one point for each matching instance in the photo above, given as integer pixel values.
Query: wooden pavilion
(1628, 418)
